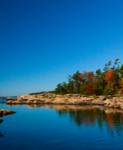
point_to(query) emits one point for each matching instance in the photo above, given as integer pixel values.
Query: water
(61, 128)
(2, 99)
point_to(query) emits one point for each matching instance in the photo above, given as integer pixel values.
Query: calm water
(61, 128)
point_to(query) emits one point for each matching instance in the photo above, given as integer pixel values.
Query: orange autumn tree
(108, 75)
(109, 84)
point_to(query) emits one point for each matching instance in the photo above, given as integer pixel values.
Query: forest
(106, 81)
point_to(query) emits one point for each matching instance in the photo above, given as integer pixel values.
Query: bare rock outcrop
(4, 112)
(68, 99)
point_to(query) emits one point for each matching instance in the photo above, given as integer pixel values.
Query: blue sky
(43, 41)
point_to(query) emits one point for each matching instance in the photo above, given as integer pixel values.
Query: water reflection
(112, 119)
(91, 115)
(1, 120)
(1, 135)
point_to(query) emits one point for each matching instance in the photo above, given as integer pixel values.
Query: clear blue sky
(43, 41)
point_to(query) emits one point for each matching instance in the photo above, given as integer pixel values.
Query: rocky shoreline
(68, 99)
(4, 112)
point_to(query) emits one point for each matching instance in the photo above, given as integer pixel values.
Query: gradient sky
(43, 41)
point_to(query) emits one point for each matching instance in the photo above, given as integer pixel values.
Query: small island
(102, 87)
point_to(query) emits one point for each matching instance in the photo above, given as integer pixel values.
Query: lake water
(61, 128)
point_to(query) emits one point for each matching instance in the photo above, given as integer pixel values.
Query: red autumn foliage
(89, 88)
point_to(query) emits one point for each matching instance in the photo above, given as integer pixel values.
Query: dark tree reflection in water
(1, 135)
(87, 115)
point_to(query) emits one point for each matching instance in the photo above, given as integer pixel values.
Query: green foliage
(106, 81)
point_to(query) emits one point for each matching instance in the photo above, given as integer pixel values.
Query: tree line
(106, 81)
